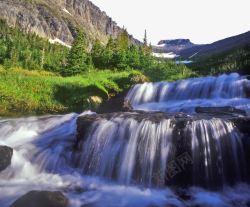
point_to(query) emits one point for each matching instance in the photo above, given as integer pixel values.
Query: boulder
(5, 157)
(42, 199)
(117, 103)
(220, 110)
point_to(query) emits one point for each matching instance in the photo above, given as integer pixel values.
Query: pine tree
(97, 54)
(109, 53)
(134, 57)
(78, 57)
(123, 40)
(145, 39)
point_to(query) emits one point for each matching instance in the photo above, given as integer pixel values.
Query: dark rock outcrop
(220, 110)
(117, 103)
(37, 18)
(42, 199)
(5, 157)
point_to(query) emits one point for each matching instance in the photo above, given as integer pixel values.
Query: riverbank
(36, 92)
(24, 92)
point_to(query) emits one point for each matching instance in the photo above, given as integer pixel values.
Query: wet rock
(183, 194)
(117, 103)
(94, 102)
(220, 110)
(5, 157)
(42, 199)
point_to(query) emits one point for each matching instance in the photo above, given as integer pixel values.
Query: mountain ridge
(185, 49)
(60, 19)
(173, 46)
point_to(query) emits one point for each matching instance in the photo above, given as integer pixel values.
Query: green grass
(24, 92)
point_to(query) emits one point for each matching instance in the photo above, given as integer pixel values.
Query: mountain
(185, 49)
(58, 20)
(221, 46)
(173, 46)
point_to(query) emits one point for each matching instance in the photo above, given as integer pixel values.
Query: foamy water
(186, 95)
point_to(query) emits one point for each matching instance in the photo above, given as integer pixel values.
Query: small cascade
(185, 95)
(42, 150)
(159, 151)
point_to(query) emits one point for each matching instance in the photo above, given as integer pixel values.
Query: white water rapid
(137, 159)
(185, 95)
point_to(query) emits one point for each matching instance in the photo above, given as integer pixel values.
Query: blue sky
(202, 21)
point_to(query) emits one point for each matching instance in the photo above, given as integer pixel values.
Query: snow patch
(66, 11)
(161, 45)
(56, 40)
(169, 55)
(184, 62)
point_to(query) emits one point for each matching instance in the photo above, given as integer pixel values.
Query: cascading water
(152, 151)
(136, 159)
(41, 150)
(185, 95)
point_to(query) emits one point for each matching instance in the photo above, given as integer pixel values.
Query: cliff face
(59, 19)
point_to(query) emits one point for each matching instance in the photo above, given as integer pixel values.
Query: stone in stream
(220, 110)
(116, 104)
(42, 199)
(5, 157)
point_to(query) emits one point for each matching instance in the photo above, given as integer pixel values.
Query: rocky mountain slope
(231, 43)
(58, 20)
(188, 50)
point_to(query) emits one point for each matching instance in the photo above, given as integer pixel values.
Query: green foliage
(78, 60)
(233, 60)
(18, 49)
(167, 70)
(29, 51)
(40, 92)
(119, 54)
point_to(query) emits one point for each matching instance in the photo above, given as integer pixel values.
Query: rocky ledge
(226, 110)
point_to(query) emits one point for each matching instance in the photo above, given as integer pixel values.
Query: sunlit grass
(41, 92)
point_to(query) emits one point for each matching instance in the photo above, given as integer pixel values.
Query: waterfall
(185, 95)
(138, 158)
(149, 150)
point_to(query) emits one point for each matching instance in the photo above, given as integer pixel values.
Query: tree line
(18, 49)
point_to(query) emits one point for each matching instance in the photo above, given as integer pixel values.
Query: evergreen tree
(78, 58)
(145, 39)
(121, 50)
(147, 48)
(134, 57)
(109, 53)
(97, 54)
(123, 40)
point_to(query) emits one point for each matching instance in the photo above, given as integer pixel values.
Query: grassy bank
(24, 92)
